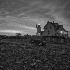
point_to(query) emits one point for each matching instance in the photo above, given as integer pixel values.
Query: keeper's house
(51, 29)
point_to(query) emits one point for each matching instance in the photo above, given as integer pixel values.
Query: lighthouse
(38, 26)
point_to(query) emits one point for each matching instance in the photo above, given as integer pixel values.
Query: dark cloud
(33, 7)
(41, 8)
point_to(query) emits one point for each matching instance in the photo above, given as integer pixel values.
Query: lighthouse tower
(38, 29)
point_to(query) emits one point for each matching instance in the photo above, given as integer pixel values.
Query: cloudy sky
(21, 16)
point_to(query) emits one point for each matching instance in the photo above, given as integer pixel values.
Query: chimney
(48, 22)
(36, 26)
(53, 21)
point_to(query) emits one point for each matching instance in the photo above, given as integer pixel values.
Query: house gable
(49, 24)
(49, 29)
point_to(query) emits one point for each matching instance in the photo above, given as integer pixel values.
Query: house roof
(47, 23)
(56, 25)
(62, 29)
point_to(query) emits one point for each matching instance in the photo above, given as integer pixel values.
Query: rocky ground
(28, 56)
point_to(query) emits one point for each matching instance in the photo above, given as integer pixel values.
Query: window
(48, 32)
(50, 27)
(61, 32)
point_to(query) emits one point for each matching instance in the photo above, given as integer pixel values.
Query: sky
(21, 16)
